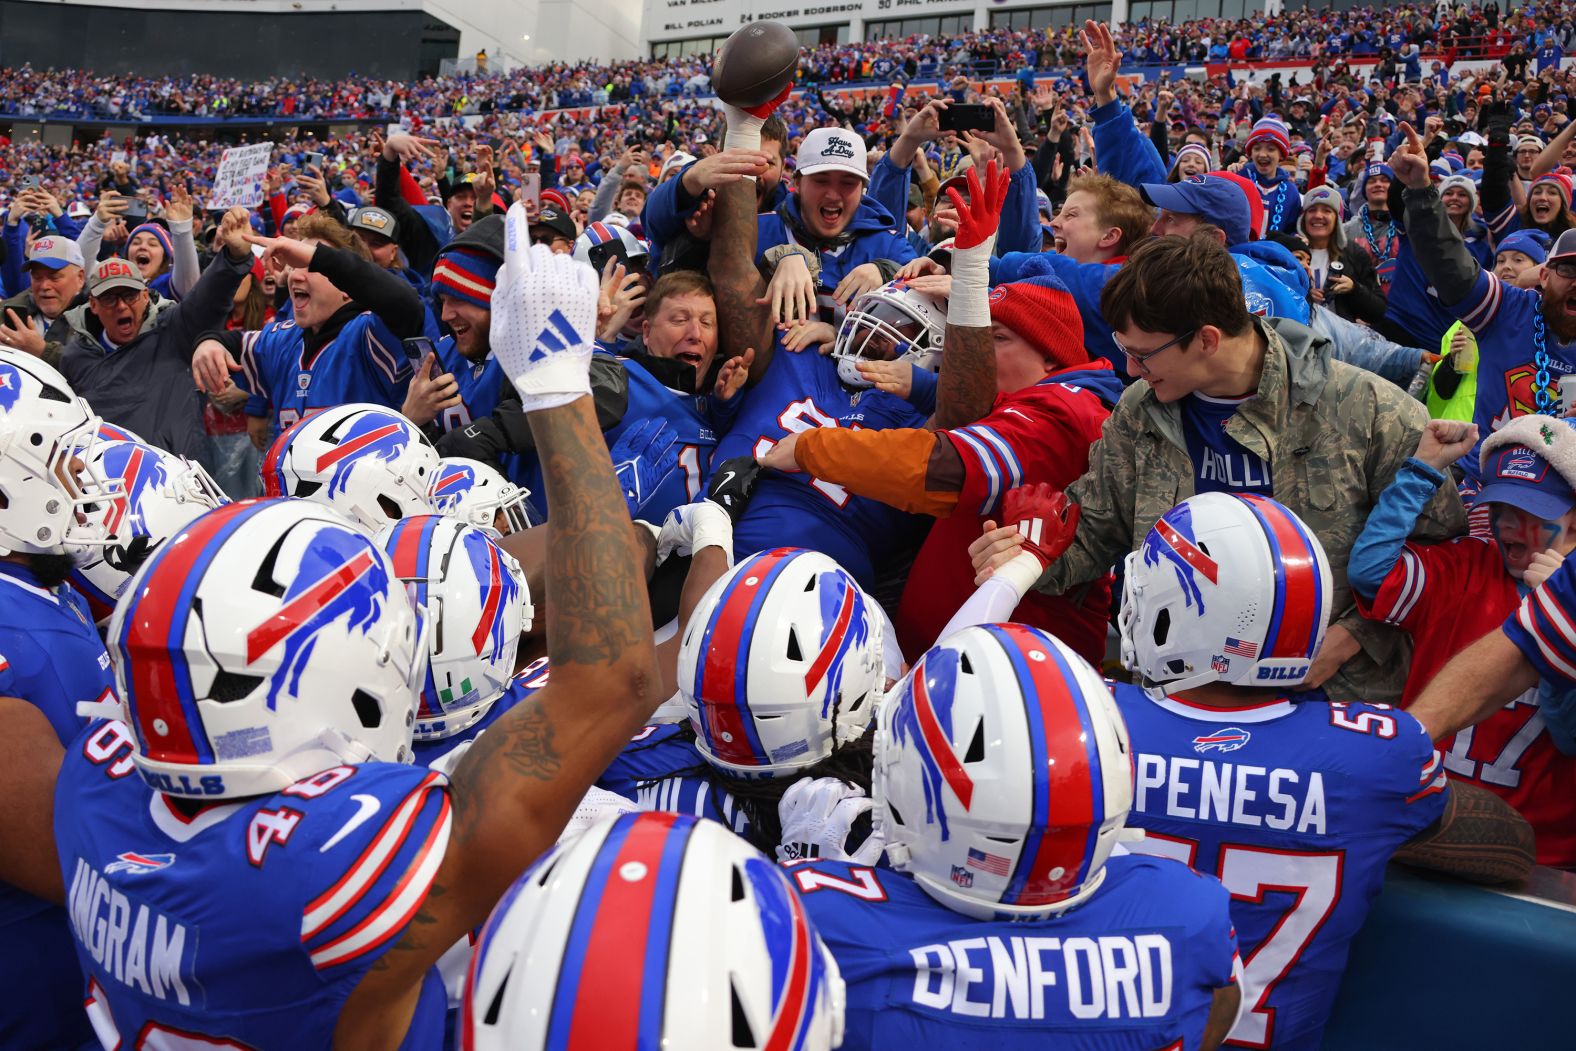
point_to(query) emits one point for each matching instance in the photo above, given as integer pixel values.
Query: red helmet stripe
(952, 771)
(298, 610)
(791, 1013)
(490, 610)
(723, 668)
(1189, 551)
(1297, 566)
(355, 445)
(834, 643)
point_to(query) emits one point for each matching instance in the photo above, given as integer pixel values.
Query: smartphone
(136, 208)
(317, 160)
(531, 185)
(31, 183)
(967, 116)
(416, 350)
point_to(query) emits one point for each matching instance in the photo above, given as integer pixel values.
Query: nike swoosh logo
(369, 806)
(725, 479)
(1015, 412)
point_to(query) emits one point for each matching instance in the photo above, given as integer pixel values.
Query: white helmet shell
(1002, 774)
(43, 425)
(476, 494)
(781, 663)
(266, 642)
(1226, 588)
(890, 323)
(366, 461)
(732, 959)
(477, 603)
(157, 495)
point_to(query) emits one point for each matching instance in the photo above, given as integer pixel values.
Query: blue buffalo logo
(1228, 739)
(10, 386)
(140, 469)
(845, 625)
(498, 591)
(922, 721)
(451, 483)
(373, 436)
(340, 577)
(135, 864)
(1171, 540)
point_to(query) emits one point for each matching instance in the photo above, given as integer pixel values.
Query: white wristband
(1021, 572)
(969, 304)
(744, 130)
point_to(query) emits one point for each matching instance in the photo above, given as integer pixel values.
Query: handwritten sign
(239, 180)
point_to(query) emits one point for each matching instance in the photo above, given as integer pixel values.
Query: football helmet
(781, 663)
(266, 642)
(476, 494)
(158, 494)
(890, 323)
(601, 242)
(730, 958)
(477, 603)
(366, 461)
(1226, 588)
(44, 503)
(1002, 776)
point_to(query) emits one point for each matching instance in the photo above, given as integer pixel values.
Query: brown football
(755, 63)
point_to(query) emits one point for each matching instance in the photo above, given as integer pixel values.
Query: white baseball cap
(676, 160)
(831, 149)
(55, 252)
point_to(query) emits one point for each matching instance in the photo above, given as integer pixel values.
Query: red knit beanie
(1042, 312)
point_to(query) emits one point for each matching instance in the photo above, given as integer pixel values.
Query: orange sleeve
(889, 466)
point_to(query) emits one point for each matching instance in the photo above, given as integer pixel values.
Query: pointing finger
(517, 244)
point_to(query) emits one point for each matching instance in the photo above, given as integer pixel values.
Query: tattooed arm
(966, 385)
(1478, 838)
(516, 788)
(742, 323)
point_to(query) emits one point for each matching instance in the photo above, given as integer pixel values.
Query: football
(755, 63)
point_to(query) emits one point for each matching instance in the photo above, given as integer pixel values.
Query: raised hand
(211, 366)
(732, 484)
(1410, 161)
(642, 458)
(734, 373)
(979, 216)
(1443, 442)
(1101, 60)
(543, 318)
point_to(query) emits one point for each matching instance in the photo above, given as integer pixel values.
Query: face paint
(1521, 536)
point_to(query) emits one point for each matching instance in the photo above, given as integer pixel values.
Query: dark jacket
(146, 385)
(55, 336)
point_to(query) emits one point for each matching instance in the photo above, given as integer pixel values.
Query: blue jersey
(1413, 304)
(646, 772)
(1134, 968)
(687, 414)
(1507, 322)
(1221, 464)
(798, 393)
(366, 362)
(481, 384)
(526, 682)
(51, 657)
(1297, 807)
(250, 921)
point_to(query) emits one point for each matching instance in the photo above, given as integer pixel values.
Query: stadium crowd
(669, 487)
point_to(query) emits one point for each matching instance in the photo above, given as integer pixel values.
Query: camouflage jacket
(1333, 435)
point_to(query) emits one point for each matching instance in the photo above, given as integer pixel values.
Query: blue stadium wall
(400, 45)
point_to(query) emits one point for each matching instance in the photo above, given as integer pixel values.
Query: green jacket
(1462, 404)
(1333, 435)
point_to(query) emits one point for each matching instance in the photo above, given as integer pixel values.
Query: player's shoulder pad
(372, 837)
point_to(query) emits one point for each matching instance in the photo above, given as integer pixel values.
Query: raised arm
(518, 785)
(742, 323)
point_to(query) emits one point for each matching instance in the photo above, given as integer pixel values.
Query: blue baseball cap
(1217, 201)
(1517, 475)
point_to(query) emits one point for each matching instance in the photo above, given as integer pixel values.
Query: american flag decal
(992, 863)
(1238, 648)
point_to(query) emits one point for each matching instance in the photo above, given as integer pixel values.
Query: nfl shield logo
(962, 876)
(1220, 664)
(303, 380)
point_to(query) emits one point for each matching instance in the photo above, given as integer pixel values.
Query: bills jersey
(1296, 806)
(689, 417)
(246, 924)
(1510, 753)
(661, 769)
(480, 383)
(50, 656)
(365, 362)
(1506, 321)
(1134, 967)
(800, 392)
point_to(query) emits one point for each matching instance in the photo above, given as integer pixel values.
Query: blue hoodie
(876, 235)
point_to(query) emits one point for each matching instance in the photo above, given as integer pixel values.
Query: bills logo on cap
(1521, 463)
(837, 147)
(45, 246)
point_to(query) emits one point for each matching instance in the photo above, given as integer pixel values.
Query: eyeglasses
(118, 295)
(1142, 359)
(1565, 268)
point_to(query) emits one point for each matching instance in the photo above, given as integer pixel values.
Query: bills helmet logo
(372, 436)
(10, 386)
(1228, 739)
(922, 720)
(844, 625)
(450, 483)
(1171, 539)
(340, 577)
(499, 591)
(135, 864)
(140, 468)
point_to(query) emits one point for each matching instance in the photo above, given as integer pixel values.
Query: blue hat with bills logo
(1530, 463)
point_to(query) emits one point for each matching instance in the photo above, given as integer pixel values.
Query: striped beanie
(557, 197)
(1270, 129)
(466, 275)
(1560, 177)
(1194, 148)
(162, 235)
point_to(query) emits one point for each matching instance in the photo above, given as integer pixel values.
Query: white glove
(543, 319)
(692, 527)
(817, 815)
(597, 805)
